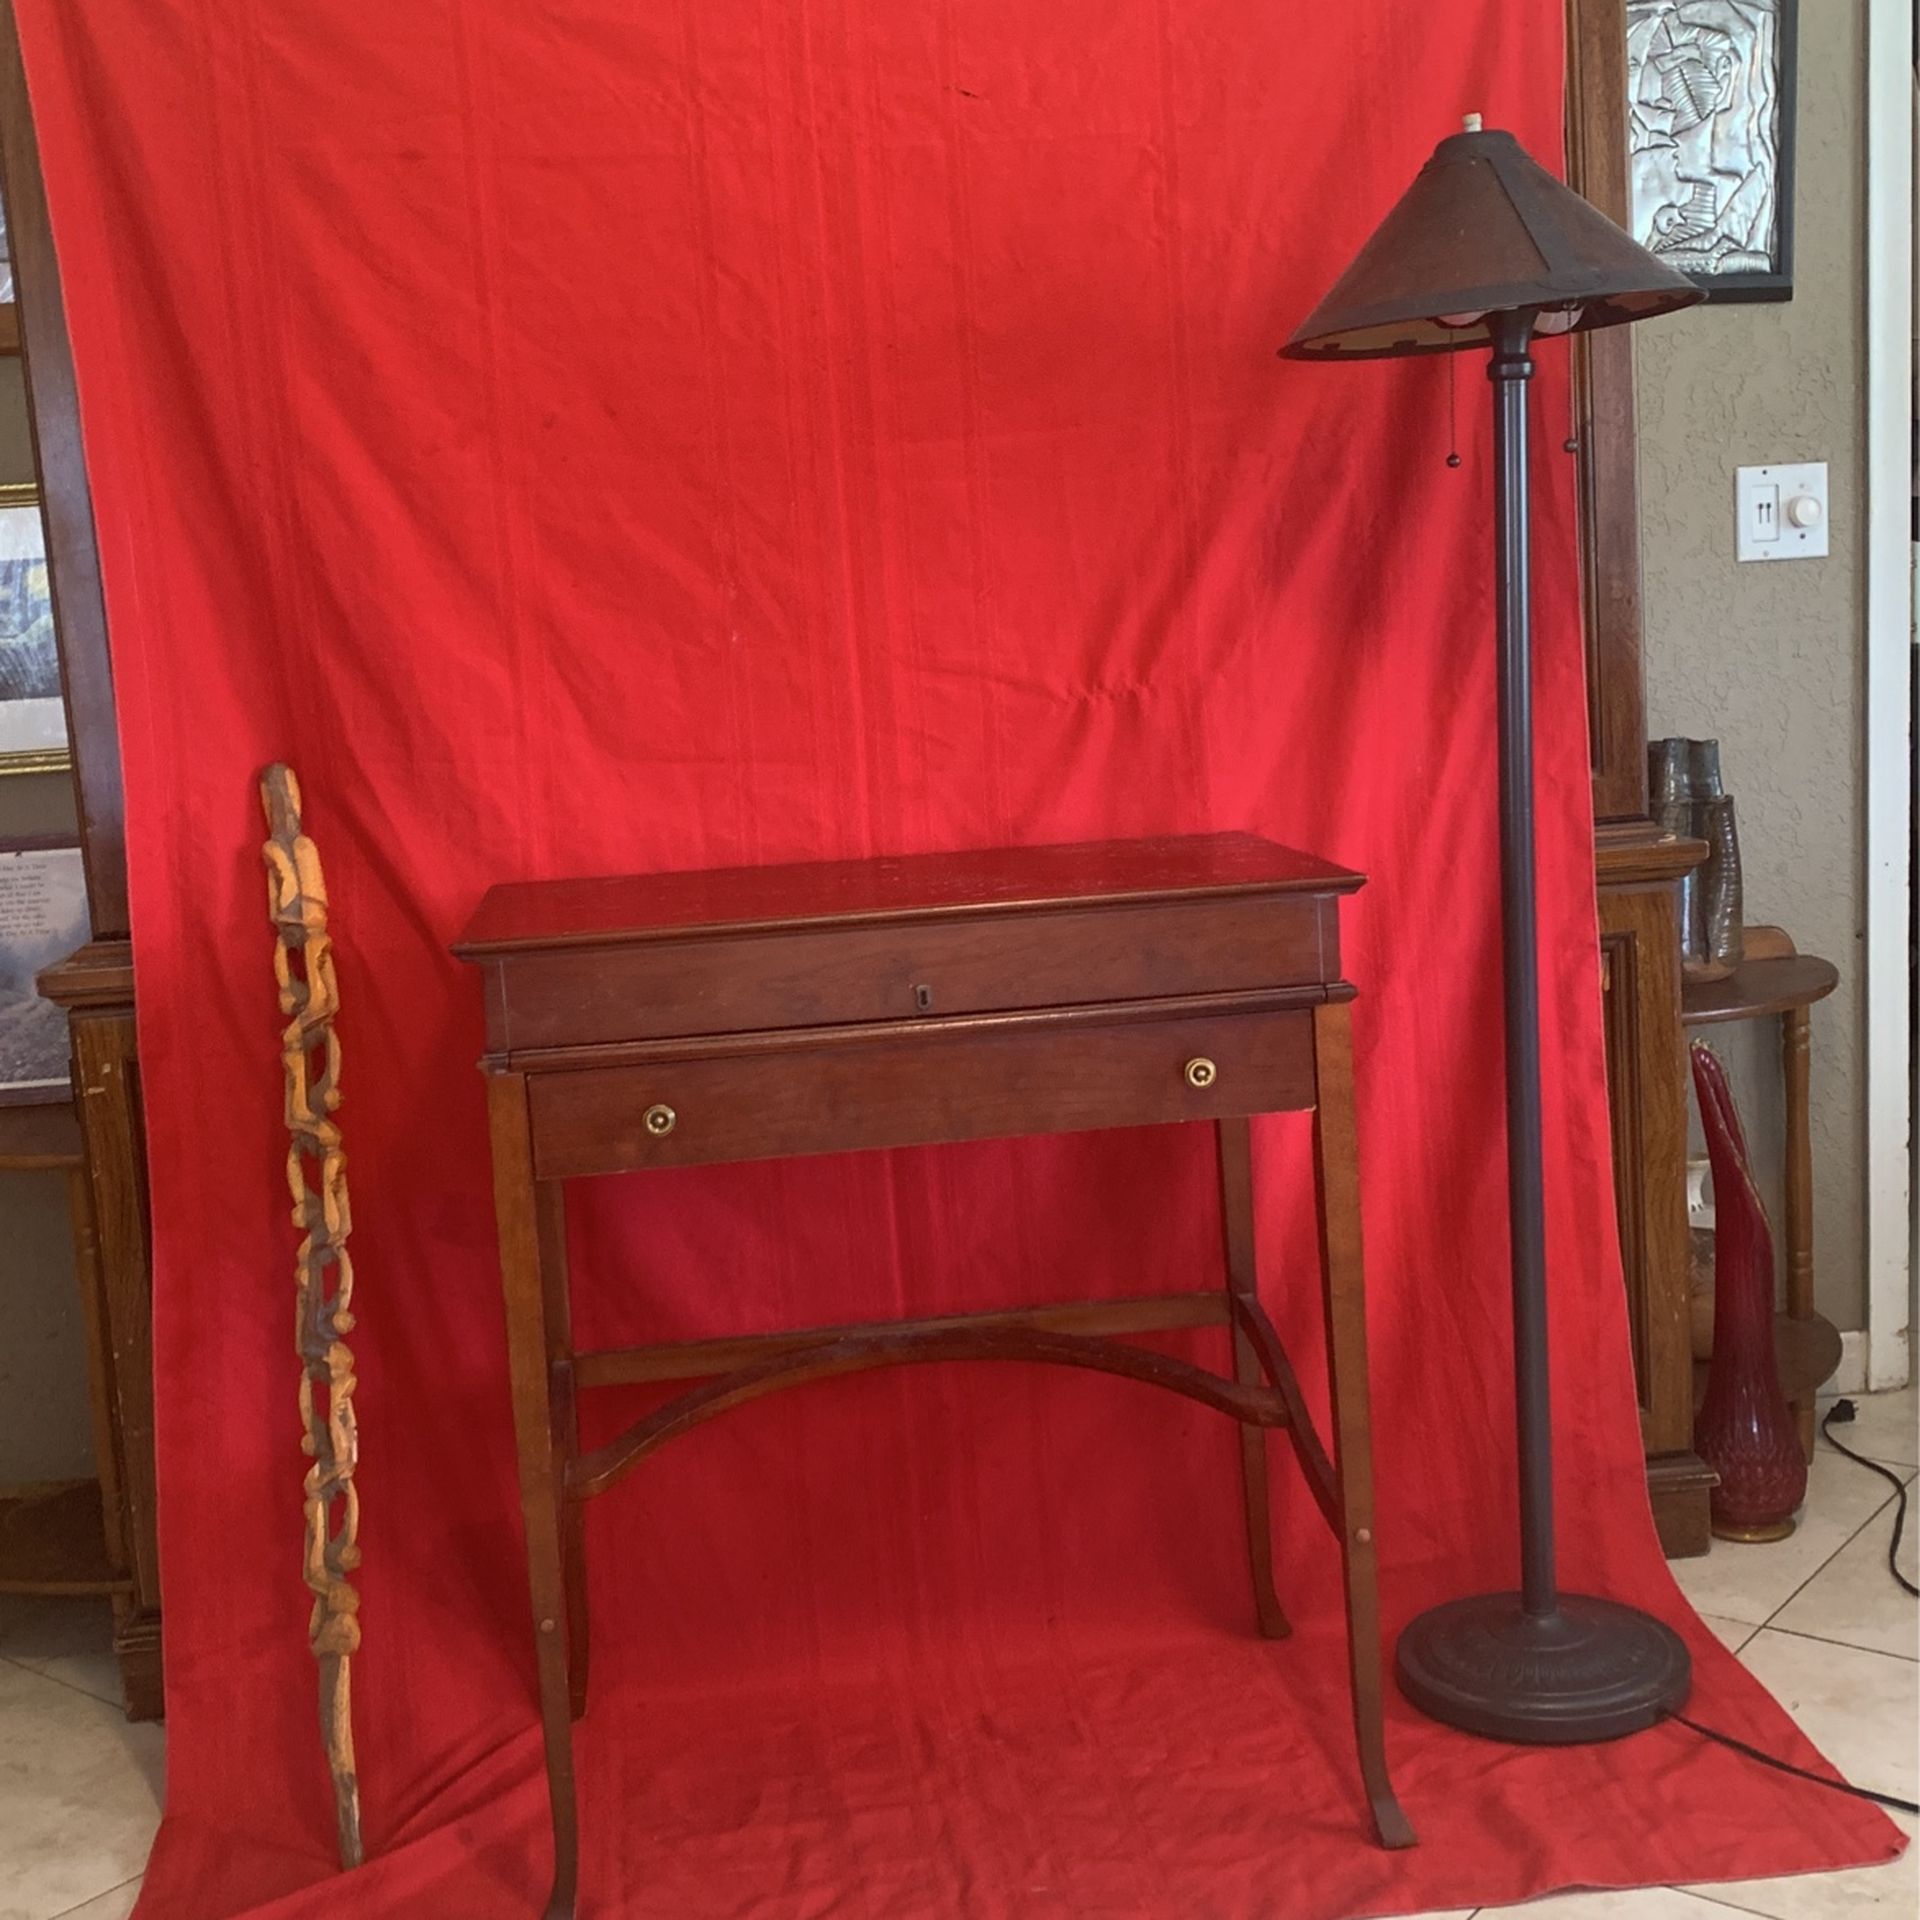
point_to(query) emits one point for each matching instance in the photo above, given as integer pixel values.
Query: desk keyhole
(923, 999)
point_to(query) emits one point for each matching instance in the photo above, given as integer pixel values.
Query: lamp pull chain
(1469, 123)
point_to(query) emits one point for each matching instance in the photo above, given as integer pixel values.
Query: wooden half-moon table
(675, 1019)
(1772, 980)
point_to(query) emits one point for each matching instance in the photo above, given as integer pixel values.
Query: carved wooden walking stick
(323, 1272)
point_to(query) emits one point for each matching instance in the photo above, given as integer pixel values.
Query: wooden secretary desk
(696, 1019)
(1637, 865)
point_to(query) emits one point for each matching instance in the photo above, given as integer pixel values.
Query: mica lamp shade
(1484, 230)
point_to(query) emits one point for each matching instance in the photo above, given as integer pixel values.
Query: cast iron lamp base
(1588, 1670)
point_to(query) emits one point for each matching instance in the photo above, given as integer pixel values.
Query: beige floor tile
(1854, 1599)
(1860, 1709)
(79, 1796)
(69, 1640)
(1732, 1634)
(1747, 1583)
(117, 1905)
(1632, 1903)
(1887, 1426)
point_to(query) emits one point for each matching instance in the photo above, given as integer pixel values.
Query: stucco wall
(1770, 657)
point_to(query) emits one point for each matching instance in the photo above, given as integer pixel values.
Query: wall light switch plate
(1780, 513)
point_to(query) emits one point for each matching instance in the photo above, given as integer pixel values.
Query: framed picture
(33, 720)
(1710, 107)
(9, 312)
(43, 918)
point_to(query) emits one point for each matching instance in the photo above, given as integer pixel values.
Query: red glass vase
(1745, 1429)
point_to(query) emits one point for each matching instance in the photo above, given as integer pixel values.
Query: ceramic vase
(1745, 1429)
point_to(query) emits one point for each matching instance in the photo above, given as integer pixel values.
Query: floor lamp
(1487, 249)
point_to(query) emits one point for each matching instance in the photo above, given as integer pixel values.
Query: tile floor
(1816, 1617)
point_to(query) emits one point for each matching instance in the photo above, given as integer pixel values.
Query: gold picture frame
(33, 720)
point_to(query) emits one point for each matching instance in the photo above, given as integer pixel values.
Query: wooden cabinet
(96, 987)
(1647, 1102)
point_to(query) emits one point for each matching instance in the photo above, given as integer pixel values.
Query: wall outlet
(1780, 513)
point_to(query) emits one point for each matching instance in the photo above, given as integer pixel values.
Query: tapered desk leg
(518, 1212)
(1236, 1213)
(550, 1203)
(1337, 1186)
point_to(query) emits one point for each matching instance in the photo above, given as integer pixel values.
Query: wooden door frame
(95, 985)
(66, 502)
(1609, 477)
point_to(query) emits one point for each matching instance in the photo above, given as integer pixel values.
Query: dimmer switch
(1780, 513)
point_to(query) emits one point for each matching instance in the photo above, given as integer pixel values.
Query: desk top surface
(548, 913)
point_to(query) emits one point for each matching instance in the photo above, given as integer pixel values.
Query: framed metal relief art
(43, 918)
(1710, 133)
(33, 720)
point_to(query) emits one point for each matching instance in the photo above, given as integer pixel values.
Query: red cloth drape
(588, 437)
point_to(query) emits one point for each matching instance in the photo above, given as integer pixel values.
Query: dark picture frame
(43, 918)
(1711, 111)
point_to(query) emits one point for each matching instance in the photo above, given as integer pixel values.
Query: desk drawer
(909, 969)
(911, 1089)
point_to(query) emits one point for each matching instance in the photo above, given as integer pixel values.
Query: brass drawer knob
(659, 1121)
(1201, 1072)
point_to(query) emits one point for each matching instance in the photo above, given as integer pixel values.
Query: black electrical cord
(1843, 1411)
(1786, 1766)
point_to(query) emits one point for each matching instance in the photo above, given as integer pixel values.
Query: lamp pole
(1534, 1666)
(1510, 370)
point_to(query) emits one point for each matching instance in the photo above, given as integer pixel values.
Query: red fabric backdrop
(589, 437)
